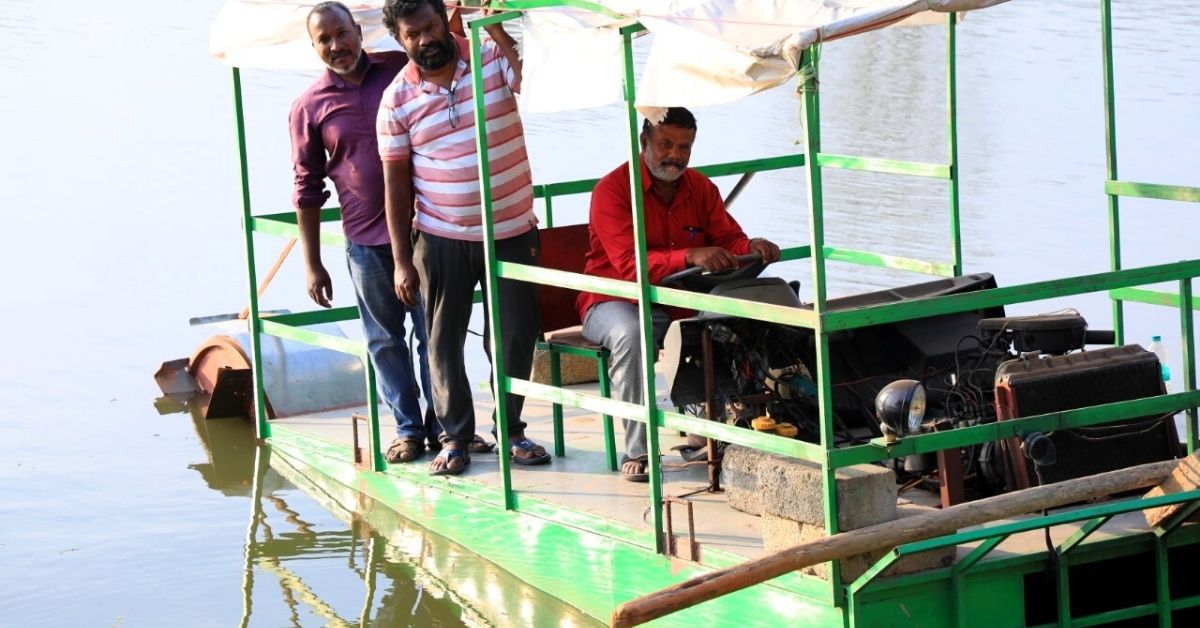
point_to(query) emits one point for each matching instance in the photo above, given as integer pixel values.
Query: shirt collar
(412, 72)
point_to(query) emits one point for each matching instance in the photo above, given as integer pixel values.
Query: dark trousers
(450, 270)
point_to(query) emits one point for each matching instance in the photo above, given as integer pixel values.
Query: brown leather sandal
(405, 450)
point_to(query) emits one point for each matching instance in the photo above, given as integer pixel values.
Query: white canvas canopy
(704, 52)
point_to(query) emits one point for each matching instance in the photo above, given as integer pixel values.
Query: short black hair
(329, 6)
(676, 116)
(393, 10)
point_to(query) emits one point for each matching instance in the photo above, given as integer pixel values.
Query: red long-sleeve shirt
(695, 218)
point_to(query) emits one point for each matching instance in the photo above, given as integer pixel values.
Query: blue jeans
(372, 272)
(617, 325)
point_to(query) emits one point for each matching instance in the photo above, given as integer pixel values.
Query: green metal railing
(1063, 557)
(1122, 285)
(1115, 189)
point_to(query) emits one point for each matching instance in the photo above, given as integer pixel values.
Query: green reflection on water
(374, 569)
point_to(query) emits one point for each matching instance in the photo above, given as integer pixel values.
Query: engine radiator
(1030, 387)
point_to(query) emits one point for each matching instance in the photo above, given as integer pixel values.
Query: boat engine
(970, 368)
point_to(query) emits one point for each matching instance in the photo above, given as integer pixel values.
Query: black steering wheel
(696, 278)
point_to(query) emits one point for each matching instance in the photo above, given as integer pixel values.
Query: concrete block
(740, 469)
(792, 489)
(780, 533)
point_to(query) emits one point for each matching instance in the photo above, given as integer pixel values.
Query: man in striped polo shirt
(426, 131)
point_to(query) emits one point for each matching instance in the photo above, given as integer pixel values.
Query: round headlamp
(900, 408)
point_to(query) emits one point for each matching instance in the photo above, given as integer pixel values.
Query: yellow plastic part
(763, 424)
(787, 429)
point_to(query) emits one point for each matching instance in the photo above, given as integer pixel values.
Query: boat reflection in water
(366, 565)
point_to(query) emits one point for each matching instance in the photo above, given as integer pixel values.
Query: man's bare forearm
(308, 219)
(397, 205)
(508, 46)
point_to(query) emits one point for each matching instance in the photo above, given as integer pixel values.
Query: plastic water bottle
(1156, 345)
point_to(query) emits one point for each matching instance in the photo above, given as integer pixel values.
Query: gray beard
(357, 62)
(665, 173)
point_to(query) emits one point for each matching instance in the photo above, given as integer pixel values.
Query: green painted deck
(583, 535)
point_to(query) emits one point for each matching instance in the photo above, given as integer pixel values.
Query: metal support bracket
(692, 550)
(362, 453)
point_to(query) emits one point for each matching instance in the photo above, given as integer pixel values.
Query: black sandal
(529, 446)
(450, 455)
(639, 476)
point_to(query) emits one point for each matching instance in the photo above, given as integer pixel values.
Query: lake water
(121, 177)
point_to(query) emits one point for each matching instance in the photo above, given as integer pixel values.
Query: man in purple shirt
(333, 135)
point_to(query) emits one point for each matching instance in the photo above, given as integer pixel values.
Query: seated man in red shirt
(686, 225)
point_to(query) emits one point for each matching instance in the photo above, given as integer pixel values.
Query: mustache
(433, 55)
(671, 163)
(433, 49)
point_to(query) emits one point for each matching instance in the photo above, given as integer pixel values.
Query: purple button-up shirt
(333, 135)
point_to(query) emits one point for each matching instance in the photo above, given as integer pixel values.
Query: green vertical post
(952, 138)
(549, 201)
(644, 305)
(260, 398)
(500, 382)
(556, 409)
(1187, 323)
(958, 600)
(1063, 590)
(1162, 583)
(378, 463)
(606, 421)
(1110, 143)
(816, 224)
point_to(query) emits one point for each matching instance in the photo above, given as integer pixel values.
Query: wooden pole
(885, 536)
(262, 287)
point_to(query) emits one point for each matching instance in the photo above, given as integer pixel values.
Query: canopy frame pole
(811, 107)
(501, 386)
(1110, 163)
(645, 302)
(952, 139)
(262, 428)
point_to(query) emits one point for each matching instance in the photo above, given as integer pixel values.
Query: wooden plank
(1185, 477)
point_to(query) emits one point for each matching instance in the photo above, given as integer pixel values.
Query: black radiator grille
(1069, 389)
(1090, 378)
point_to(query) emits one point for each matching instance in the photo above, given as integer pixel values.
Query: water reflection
(366, 567)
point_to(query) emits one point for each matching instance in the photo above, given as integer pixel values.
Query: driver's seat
(565, 248)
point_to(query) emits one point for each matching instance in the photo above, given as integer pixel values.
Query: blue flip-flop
(529, 446)
(449, 455)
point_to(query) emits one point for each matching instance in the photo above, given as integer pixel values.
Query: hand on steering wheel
(744, 265)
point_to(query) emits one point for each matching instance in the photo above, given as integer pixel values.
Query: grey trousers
(615, 325)
(449, 271)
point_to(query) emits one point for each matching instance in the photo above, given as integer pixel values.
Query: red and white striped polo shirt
(417, 122)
